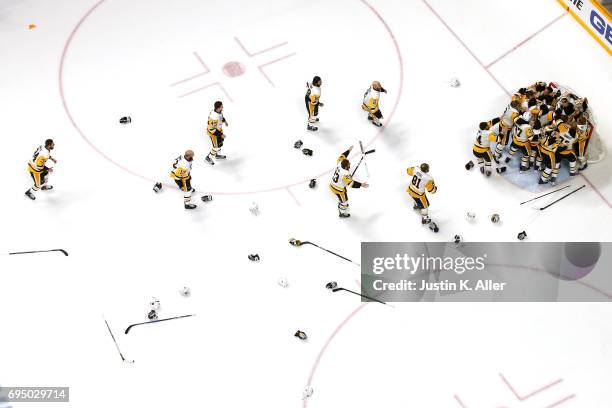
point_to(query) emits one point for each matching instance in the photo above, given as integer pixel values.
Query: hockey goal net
(596, 150)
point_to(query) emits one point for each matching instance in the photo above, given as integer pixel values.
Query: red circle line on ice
(74, 123)
(356, 311)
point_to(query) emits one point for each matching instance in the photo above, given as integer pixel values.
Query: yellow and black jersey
(313, 95)
(483, 140)
(508, 117)
(181, 168)
(549, 145)
(342, 178)
(583, 133)
(370, 100)
(546, 118)
(39, 159)
(420, 182)
(560, 126)
(521, 133)
(215, 123)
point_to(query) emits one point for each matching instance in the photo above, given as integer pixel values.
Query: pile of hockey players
(544, 125)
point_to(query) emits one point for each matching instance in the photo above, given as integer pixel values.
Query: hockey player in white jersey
(341, 180)
(420, 184)
(371, 100)
(181, 173)
(482, 146)
(313, 103)
(39, 168)
(506, 121)
(214, 129)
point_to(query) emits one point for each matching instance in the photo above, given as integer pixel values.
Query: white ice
(127, 244)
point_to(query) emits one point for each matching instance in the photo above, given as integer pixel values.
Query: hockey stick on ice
(543, 195)
(155, 321)
(358, 294)
(117, 345)
(363, 155)
(297, 243)
(63, 251)
(561, 198)
(360, 160)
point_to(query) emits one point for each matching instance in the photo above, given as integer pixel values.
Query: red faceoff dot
(233, 69)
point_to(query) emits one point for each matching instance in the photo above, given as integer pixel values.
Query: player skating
(216, 120)
(341, 180)
(312, 99)
(40, 167)
(482, 146)
(370, 104)
(420, 184)
(181, 173)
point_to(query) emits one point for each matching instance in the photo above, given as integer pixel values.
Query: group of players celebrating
(544, 124)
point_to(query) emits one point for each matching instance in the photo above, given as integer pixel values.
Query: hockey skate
(344, 215)
(488, 173)
(376, 123)
(312, 128)
(425, 220)
(220, 156)
(46, 188)
(190, 206)
(30, 195)
(433, 226)
(209, 161)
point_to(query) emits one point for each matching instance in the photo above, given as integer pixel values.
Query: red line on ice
(327, 343)
(272, 62)
(468, 49)
(595, 189)
(208, 86)
(258, 52)
(293, 196)
(531, 394)
(564, 400)
(519, 45)
(460, 402)
(196, 75)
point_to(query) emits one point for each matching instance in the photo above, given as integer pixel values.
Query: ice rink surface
(164, 64)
